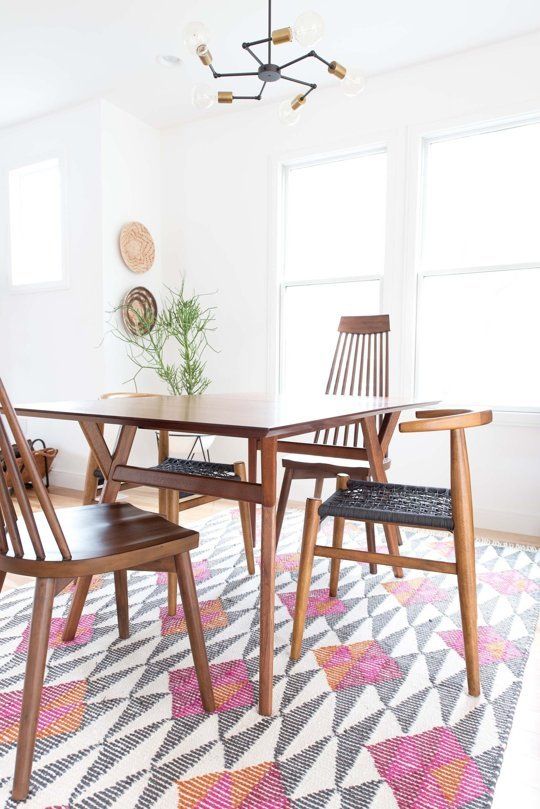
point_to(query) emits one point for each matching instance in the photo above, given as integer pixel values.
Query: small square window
(35, 213)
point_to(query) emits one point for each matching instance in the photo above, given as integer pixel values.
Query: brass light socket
(281, 35)
(337, 70)
(204, 54)
(225, 97)
(298, 101)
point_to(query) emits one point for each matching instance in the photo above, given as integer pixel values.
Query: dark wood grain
(238, 415)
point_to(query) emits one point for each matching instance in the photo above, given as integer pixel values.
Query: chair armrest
(431, 420)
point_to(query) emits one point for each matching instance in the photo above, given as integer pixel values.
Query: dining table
(268, 423)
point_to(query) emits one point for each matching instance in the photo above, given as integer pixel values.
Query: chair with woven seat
(421, 507)
(171, 502)
(106, 539)
(360, 366)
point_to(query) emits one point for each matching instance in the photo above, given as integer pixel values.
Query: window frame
(420, 140)
(377, 143)
(42, 286)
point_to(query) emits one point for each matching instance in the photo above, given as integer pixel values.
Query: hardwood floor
(519, 782)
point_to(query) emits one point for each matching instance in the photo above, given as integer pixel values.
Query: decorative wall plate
(137, 247)
(139, 311)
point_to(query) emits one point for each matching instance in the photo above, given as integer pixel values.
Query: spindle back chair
(360, 367)
(109, 538)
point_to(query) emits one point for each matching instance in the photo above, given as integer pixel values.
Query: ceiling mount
(307, 30)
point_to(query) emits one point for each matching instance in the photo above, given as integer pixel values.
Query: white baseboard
(67, 480)
(514, 523)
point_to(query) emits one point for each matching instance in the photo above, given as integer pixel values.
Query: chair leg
(371, 544)
(319, 482)
(33, 685)
(337, 541)
(2, 579)
(172, 503)
(192, 614)
(245, 519)
(466, 579)
(309, 538)
(122, 603)
(283, 500)
(77, 605)
(172, 594)
(462, 511)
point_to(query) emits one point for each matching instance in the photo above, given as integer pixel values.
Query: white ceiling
(61, 52)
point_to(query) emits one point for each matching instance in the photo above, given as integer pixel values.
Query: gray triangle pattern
(129, 750)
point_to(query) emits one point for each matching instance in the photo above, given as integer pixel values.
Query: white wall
(219, 205)
(50, 340)
(55, 347)
(131, 181)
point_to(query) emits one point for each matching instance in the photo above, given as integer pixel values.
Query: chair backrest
(360, 367)
(9, 529)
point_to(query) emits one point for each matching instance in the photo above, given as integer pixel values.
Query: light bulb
(202, 97)
(354, 82)
(308, 28)
(195, 35)
(288, 115)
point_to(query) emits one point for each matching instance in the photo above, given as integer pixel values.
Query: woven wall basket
(139, 311)
(137, 247)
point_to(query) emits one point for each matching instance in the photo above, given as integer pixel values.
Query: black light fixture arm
(271, 72)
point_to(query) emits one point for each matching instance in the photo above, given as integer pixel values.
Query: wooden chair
(107, 539)
(170, 502)
(360, 367)
(417, 506)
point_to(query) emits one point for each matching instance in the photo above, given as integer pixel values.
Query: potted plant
(172, 343)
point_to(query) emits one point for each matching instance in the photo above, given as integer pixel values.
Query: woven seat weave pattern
(206, 469)
(391, 503)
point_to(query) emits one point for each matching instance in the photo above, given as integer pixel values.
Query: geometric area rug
(374, 714)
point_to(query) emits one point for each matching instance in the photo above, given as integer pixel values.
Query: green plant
(183, 325)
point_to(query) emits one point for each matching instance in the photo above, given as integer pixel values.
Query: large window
(35, 213)
(333, 262)
(478, 322)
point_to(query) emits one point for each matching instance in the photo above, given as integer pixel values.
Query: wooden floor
(519, 782)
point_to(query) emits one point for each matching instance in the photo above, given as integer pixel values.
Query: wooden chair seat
(110, 537)
(419, 506)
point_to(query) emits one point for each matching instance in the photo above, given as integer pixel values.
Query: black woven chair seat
(391, 503)
(206, 469)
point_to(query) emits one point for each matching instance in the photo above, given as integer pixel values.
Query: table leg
(108, 495)
(252, 478)
(120, 456)
(268, 557)
(376, 463)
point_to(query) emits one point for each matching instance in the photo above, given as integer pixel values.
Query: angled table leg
(107, 462)
(268, 558)
(375, 453)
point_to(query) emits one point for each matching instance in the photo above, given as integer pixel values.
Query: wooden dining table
(268, 423)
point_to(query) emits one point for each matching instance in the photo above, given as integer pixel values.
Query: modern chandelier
(307, 30)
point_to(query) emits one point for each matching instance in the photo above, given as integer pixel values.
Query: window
(333, 262)
(35, 210)
(479, 272)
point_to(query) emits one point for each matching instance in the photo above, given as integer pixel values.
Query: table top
(243, 415)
